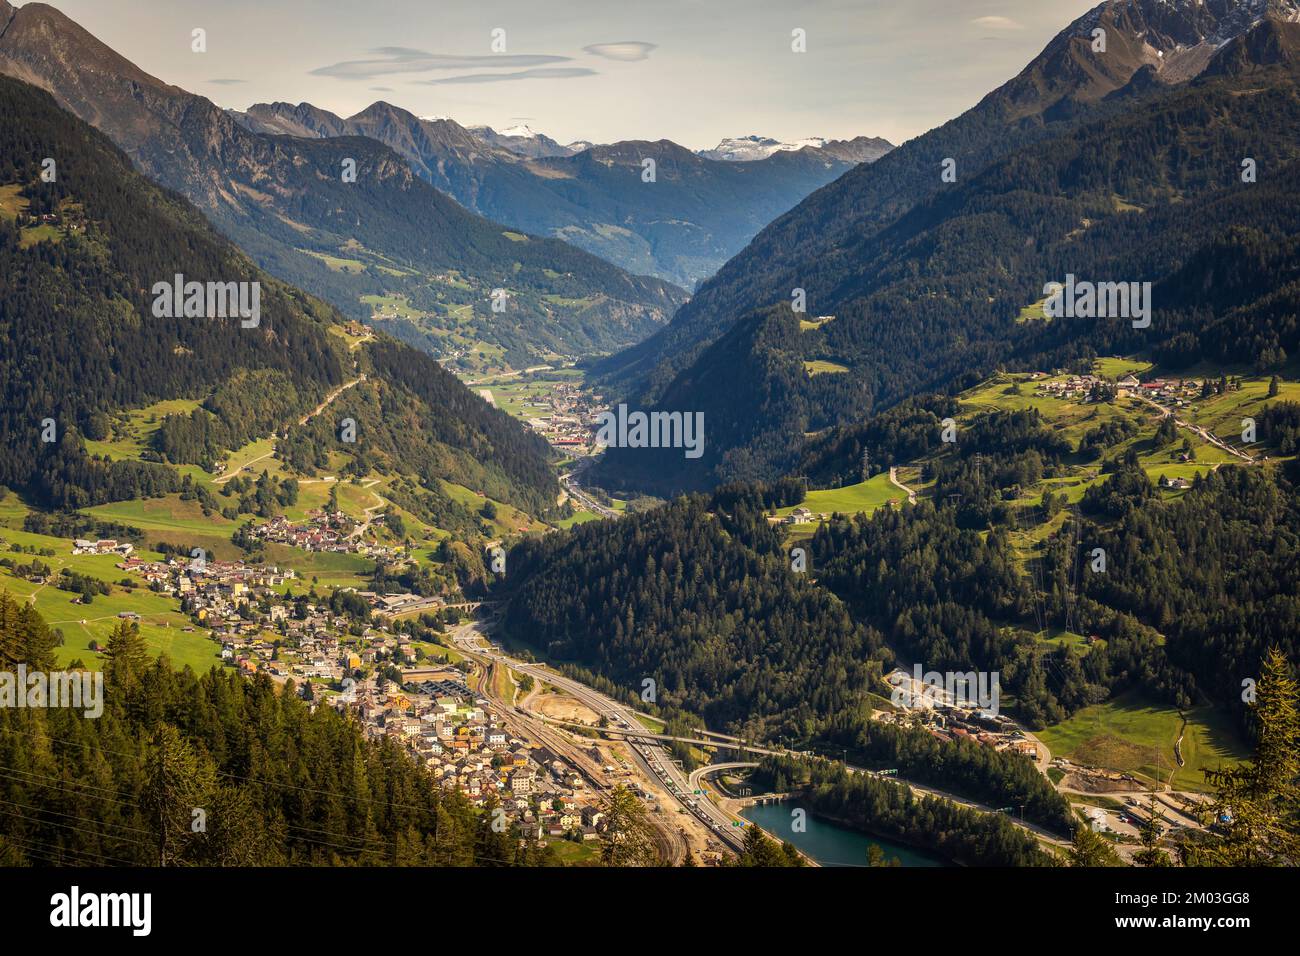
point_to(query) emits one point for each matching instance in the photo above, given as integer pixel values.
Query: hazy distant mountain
(745, 149)
(522, 141)
(1079, 163)
(694, 215)
(423, 262)
(860, 149)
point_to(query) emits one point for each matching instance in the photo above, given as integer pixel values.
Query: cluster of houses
(102, 546)
(259, 630)
(220, 594)
(950, 717)
(1073, 388)
(74, 222)
(1082, 388)
(323, 531)
(1176, 393)
(318, 646)
(991, 730)
(466, 747)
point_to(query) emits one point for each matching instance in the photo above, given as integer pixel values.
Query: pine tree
(24, 636)
(629, 838)
(1091, 849)
(1149, 836)
(177, 790)
(759, 850)
(1258, 804)
(125, 658)
(496, 837)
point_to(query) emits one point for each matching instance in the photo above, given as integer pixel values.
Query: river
(829, 843)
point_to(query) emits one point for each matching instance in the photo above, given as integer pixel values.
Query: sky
(693, 71)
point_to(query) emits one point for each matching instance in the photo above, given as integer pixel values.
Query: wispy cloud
(625, 50)
(392, 60)
(227, 82)
(539, 73)
(998, 23)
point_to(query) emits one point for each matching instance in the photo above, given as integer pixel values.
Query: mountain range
(386, 244)
(695, 214)
(83, 340)
(747, 149)
(914, 282)
(527, 142)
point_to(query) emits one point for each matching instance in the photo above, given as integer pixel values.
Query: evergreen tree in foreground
(1258, 803)
(629, 838)
(1092, 849)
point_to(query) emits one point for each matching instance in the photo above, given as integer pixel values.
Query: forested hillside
(1193, 592)
(702, 602)
(79, 257)
(270, 781)
(1217, 572)
(941, 284)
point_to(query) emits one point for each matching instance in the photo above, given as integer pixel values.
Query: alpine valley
(442, 495)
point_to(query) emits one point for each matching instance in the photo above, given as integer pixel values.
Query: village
(263, 627)
(324, 531)
(1175, 393)
(569, 417)
(466, 747)
(353, 653)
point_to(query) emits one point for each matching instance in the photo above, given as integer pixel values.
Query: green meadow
(865, 496)
(1132, 735)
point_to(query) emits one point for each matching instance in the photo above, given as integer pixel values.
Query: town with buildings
(467, 747)
(349, 661)
(566, 417)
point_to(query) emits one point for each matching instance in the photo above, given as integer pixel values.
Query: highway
(647, 751)
(639, 733)
(654, 760)
(585, 500)
(468, 639)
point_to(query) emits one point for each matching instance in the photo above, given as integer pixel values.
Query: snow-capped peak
(742, 149)
(521, 131)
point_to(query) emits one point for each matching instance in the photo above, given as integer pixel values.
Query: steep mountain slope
(1144, 185)
(388, 235)
(1149, 44)
(82, 335)
(697, 213)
